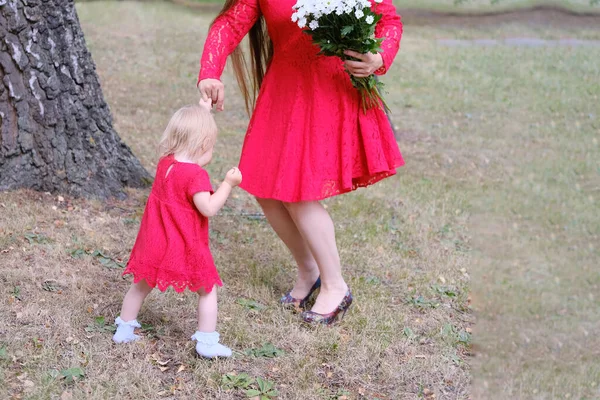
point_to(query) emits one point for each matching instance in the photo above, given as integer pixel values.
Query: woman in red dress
(308, 137)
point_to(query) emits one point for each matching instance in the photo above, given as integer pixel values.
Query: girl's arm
(390, 28)
(224, 35)
(210, 204)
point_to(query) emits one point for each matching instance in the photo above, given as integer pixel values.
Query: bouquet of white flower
(339, 25)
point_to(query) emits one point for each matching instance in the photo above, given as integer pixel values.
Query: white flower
(302, 22)
(369, 19)
(359, 14)
(313, 25)
(378, 1)
(294, 17)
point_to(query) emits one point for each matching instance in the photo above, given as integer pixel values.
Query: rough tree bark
(57, 132)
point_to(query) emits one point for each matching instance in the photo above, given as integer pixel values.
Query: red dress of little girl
(172, 246)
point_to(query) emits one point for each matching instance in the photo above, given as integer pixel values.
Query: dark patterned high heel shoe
(313, 318)
(295, 304)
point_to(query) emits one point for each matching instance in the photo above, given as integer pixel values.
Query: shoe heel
(343, 314)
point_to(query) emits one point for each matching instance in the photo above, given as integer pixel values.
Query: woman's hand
(213, 90)
(368, 64)
(233, 177)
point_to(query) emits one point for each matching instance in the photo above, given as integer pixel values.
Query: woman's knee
(299, 207)
(268, 203)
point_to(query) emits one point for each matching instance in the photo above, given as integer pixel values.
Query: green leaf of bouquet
(346, 30)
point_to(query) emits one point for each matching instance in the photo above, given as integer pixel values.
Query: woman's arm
(390, 28)
(224, 35)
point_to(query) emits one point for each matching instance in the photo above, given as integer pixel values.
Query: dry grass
(501, 183)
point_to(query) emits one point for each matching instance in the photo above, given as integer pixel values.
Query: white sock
(208, 345)
(124, 333)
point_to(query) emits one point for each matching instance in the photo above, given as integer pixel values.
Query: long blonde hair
(192, 130)
(250, 77)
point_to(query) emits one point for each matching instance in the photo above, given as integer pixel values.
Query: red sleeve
(390, 28)
(224, 35)
(200, 182)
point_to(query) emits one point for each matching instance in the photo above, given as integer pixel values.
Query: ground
(496, 211)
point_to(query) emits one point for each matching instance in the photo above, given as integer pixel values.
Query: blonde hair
(192, 130)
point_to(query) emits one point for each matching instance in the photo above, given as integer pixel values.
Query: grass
(501, 188)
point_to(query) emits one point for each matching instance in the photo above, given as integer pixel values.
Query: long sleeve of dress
(224, 36)
(390, 28)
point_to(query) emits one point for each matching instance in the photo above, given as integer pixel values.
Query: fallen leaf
(163, 369)
(61, 199)
(181, 368)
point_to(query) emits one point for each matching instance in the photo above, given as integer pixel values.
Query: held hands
(233, 177)
(206, 104)
(212, 91)
(368, 64)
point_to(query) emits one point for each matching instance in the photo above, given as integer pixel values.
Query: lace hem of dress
(329, 188)
(333, 188)
(178, 286)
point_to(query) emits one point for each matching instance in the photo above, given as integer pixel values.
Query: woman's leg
(132, 303)
(316, 227)
(281, 221)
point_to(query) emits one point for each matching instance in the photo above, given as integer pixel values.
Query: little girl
(172, 247)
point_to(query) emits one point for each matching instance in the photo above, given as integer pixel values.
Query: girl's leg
(316, 227)
(207, 310)
(283, 224)
(126, 322)
(206, 336)
(132, 303)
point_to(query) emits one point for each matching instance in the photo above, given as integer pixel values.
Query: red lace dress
(308, 137)
(172, 246)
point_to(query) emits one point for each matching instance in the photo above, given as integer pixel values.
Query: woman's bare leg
(283, 224)
(316, 227)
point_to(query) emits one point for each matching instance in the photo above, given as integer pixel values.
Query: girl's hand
(368, 64)
(233, 177)
(207, 104)
(212, 90)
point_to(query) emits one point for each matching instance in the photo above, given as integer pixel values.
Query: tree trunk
(57, 132)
